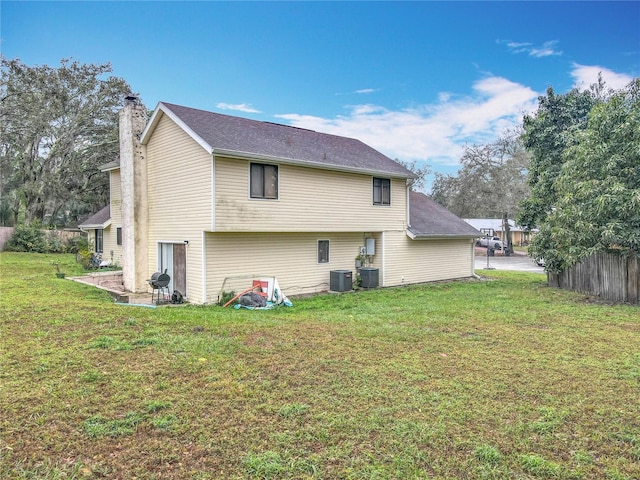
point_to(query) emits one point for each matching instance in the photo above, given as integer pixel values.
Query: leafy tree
(597, 187)
(491, 182)
(547, 134)
(57, 126)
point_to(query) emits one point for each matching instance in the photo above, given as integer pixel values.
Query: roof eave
(438, 236)
(95, 226)
(108, 167)
(303, 163)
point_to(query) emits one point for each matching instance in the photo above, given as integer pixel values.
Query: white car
(493, 242)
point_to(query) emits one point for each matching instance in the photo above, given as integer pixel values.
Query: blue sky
(416, 80)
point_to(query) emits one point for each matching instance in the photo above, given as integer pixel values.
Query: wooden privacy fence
(609, 276)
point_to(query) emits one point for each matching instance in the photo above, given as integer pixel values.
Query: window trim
(320, 260)
(381, 186)
(263, 195)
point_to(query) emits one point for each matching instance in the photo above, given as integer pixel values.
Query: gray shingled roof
(227, 134)
(430, 219)
(98, 220)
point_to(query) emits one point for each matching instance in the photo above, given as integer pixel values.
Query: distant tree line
(57, 126)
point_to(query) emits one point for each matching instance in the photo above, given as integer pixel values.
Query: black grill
(159, 282)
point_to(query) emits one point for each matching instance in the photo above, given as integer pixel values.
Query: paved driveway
(521, 263)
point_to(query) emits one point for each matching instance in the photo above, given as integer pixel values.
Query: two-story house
(209, 196)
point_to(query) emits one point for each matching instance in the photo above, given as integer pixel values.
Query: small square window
(323, 251)
(381, 191)
(119, 236)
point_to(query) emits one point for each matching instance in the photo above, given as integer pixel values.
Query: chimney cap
(132, 98)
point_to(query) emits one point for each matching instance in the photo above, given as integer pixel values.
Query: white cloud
(366, 90)
(517, 47)
(434, 133)
(545, 50)
(586, 75)
(238, 107)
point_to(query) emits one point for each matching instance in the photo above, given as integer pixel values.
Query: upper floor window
(264, 181)
(381, 191)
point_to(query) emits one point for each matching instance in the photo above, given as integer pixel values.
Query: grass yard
(498, 378)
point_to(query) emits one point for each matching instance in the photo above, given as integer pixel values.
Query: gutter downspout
(408, 205)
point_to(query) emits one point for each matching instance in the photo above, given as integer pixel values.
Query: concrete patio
(111, 281)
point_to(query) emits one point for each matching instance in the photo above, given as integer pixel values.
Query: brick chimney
(133, 178)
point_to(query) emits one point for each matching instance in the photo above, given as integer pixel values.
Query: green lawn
(495, 378)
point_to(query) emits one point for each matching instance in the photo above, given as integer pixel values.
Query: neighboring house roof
(431, 220)
(102, 219)
(227, 135)
(494, 224)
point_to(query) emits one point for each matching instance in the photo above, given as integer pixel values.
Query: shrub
(34, 239)
(54, 245)
(27, 238)
(83, 256)
(78, 244)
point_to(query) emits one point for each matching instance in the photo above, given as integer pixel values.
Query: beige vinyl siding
(179, 192)
(113, 251)
(291, 257)
(116, 197)
(309, 200)
(409, 261)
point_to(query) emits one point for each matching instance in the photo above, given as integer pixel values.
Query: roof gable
(241, 137)
(429, 219)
